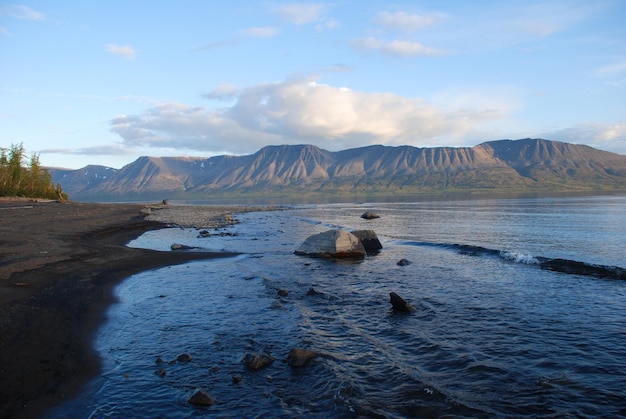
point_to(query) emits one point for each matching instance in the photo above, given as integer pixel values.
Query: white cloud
(500, 98)
(98, 150)
(124, 51)
(535, 20)
(260, 32)
(337, 68)
(252, 32)
(298, 111)
(534, 27)
(507, 24)
(614, 132)
(300, 13)
(4, 31)
(183, 127)
(330, 24)
(404, 21)
(612, 69)
(610, 137)
(224, 91)
(19, 11)
(396, 48)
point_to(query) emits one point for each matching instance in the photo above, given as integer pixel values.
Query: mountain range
(527, 165)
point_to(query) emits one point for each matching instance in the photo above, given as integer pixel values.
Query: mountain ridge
(282, 170)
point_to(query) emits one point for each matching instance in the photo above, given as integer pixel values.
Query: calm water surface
(494, 334)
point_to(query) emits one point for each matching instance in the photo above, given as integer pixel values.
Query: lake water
(496, 331)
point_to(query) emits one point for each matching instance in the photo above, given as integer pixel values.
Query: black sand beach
(58, 265)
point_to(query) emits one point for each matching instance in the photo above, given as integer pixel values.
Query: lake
(498, 330)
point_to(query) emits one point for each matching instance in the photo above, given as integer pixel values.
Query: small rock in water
(398, 304)
(178, 246)
(257, 362)
(159, 360)
(161, 372)
(204, 233)
(184, 357)
(237, 378)
(283, 293)
(200, 398)
(369, 215)
(403, 262)
(312, 291)
(300, 357)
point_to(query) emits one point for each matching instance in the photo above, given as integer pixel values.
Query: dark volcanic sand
(58, 265)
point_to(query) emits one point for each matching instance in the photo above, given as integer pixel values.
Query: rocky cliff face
(522, 165)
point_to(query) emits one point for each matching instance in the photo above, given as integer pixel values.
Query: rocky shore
(58, 265)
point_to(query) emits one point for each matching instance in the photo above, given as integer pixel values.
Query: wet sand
(58, 265)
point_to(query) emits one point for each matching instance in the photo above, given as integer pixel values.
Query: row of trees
(19, 177)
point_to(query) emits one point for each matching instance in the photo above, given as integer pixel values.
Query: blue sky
(104, 82)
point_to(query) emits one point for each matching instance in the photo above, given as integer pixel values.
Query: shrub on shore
(30, 180)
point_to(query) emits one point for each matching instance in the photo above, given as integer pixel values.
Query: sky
(105, 82)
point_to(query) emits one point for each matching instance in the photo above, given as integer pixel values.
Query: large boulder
(369, 239)
(332, 244)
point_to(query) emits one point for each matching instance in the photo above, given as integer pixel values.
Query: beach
(58, 265)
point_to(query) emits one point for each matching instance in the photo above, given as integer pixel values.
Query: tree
(32, 181)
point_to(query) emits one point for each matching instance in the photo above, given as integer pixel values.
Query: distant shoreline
(58, 265)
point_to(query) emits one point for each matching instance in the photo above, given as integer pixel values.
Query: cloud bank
(295, 112)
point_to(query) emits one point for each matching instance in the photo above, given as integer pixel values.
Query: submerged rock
(403, 262)
(184, 357)
(257, 362)
(332, 244)
(300, 357)
(369, 240)
(398, 304)
(200, 398)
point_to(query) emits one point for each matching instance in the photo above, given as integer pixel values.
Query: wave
(566, 266)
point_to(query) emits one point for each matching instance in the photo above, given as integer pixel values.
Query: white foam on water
(519, 257)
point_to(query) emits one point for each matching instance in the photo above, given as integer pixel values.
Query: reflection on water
(491, 336)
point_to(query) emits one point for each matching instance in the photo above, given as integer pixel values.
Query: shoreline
(59, 264)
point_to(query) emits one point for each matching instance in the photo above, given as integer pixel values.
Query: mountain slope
(81, 180)
(553, 162)
(521, 165)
